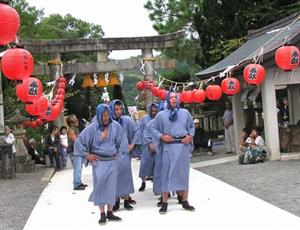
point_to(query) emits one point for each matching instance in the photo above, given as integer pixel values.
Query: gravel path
(18, 197)
(277, 182)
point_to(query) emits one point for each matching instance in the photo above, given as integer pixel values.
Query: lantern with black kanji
(230, 86)
(213, 92)
(17, 64)
(29, 90)
(186, 97)
(198, 95)
(9, 24)
(287, 57)
(254, 74)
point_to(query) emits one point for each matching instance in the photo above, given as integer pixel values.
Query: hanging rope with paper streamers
(253, 74)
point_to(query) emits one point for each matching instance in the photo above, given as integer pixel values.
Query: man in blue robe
(148, 147)
(175, 129)
(102, 143)
(125, 181)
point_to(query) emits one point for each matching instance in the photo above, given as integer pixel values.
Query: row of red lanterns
(18, 64)
(49, 110)
(229, 86)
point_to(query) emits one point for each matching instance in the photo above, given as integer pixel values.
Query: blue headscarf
(112, 110)
(154, 104)
(99, 110)
(173, 110)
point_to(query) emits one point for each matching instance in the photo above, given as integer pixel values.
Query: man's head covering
(154, 104)
(196, 121)
(112, 110)
(173, 114)
(99, 110)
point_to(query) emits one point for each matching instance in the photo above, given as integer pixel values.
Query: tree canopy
(214, 27)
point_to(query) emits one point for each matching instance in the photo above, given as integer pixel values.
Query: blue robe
(131, 131)
(125, 180)
(148, 137)
(147, 158)
(104, 172)
(175, 157)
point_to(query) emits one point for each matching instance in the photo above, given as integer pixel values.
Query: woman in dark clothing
(52, 145)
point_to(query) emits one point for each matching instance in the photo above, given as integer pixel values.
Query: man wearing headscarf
(148, 148)
(175, 130)
(125, 181)
(102, 143)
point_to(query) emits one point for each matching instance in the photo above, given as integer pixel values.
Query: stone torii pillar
(54, 69)
(148, 61)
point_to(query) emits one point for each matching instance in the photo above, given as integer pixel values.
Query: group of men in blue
(166, 139)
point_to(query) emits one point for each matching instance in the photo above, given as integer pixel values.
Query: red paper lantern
(62, 79)
(198, 95)
(39, 122)
(56, 111)
(148, 85)
(154, 91)
(61, 85)
(17, 64)
(30, 90)
(230, 86)
(140, 85)
(254, 74)
(33, 124)
(162, 94)
(61, 92)
(38, 107)
(26, 123)
(48, 112)
(187, 97)
(287, 57)
(213, 92)
(9, 24)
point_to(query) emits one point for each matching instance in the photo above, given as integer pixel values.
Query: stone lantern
(23, 161)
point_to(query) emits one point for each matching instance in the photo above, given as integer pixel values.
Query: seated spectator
(253, 150)
(245, 134)
(255, 140)
(201, 138)
(34, 153)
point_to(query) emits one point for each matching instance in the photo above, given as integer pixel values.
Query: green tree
(214, 27)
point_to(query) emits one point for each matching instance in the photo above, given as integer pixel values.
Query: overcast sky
(118, 18)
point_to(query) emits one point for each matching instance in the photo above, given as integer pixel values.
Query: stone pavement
(18, 197)
(276, 182)
(218, 206)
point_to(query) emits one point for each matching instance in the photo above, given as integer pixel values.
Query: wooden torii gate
(102, 46)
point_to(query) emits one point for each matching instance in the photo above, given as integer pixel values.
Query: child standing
(63, 145)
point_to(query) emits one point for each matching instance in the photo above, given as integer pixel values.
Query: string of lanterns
(17, 64)
(286, 58)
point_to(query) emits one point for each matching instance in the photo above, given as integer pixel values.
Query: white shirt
(10, 139)
(64, 140)
(259, 141)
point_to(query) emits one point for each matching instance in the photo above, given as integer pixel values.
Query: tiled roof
(270, 37)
